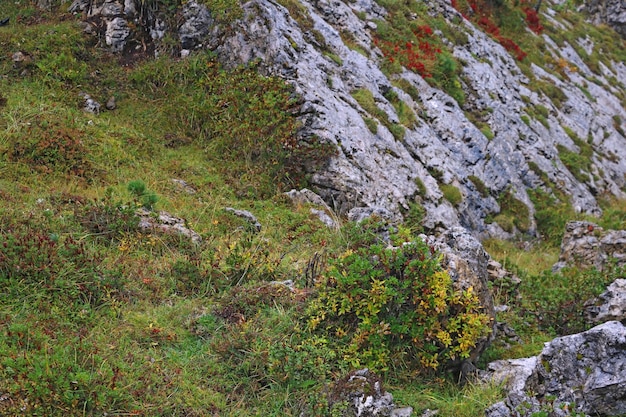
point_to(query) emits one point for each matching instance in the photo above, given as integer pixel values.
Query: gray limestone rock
(246, 215)
(164, 222)
(117, 32)
(610, 305)
(324, 212)
(586, 244)
(365, 396)
(467, 263)
(89, 104)
(198, 23)
(611, 12)
(376, 173)
(111, 104)
(583, 373)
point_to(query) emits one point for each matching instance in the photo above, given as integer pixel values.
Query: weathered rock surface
(164, 222)
(467, 263)
(583, 373)
(198, 22)
(365, 396)
(323, 212)
(587, 244)
(116, 33)
(611, 12)
(247, 216)
(89, 104)
(374, 172)
(610, 305)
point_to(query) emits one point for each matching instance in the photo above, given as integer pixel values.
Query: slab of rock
(117, 32)
(166, 223)
(324, 212)
(377, 173)
(246, 215)
(196, 26)
(610, 305)
(583, 373)
(586, 244)
(611, 12)
(363, 392)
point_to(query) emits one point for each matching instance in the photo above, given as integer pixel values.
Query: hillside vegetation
(100, 317)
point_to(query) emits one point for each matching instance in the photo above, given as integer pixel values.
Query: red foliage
(512, 47)
(532, 19)
(483, 13)
(489, 27)
(413, 57)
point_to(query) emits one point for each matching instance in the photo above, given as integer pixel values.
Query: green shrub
(451, 193)
(260, 154)
(371, 124)
(396, 306)
(551, 214)
(60, 272)
(575, 162)
(225, 11)
(414, 217)
(480, 185)
(514, 211)
(138, 189)
(613, 214)
(366, 100)
(557, 300)
(50, 146)
(408, 88)
(446, 75)
(406, 115)
(486, 130)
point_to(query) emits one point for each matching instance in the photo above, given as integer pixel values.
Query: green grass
(514, 214)
(451, 193)
(366, 100)
(97, 317)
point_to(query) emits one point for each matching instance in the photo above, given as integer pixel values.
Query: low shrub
(557, 300)
(147, 198)
(451, 193)
(395, 306)
(480, 185)
(515, 210)
(51, 146)
(108, 220)
(58, 271)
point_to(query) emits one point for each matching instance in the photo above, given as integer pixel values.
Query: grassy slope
(105, 319)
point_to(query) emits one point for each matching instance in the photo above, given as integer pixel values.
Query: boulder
(164, 222)
(467, 262)
(323, 210)
(586, 244)
(583, 373)
(610, 305)
(89, 104)
(610, 12)
(365, 397)
(117, 32)
(197, 24)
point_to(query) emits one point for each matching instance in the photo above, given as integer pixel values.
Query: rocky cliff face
(611, 12)
(326, 49)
